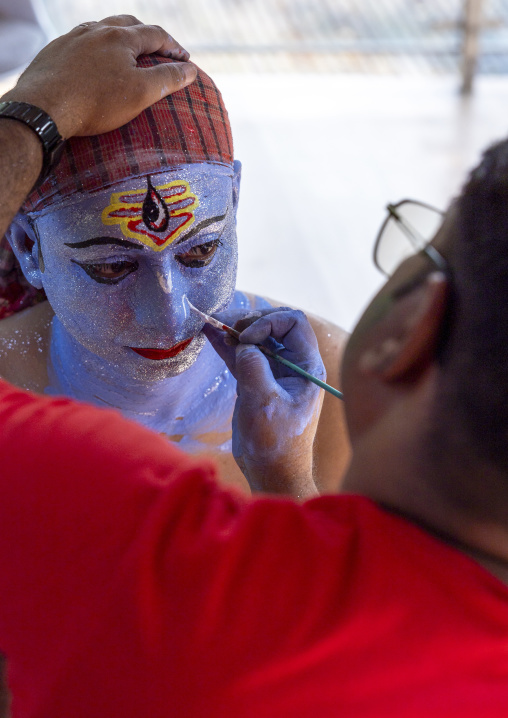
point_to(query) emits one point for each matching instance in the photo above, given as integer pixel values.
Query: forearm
(21, 161)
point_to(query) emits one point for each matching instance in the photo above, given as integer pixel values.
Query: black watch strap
(43, 126)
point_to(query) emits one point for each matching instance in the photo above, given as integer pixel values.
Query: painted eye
(199, 256)
(108, 272)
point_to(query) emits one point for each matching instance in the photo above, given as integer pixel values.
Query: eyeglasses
(399, 239)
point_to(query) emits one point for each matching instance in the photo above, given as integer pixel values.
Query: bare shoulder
(331, 448)
(332, 341)
(24, 345)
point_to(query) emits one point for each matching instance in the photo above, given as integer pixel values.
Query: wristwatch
(43, 126)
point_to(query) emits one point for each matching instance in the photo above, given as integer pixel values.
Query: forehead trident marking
(155, 212)
(155, 216)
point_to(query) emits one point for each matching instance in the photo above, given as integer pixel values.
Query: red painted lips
(159, 354)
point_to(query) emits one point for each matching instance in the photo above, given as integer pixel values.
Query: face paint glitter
(100, 320)
(134, 344)
(110, 294)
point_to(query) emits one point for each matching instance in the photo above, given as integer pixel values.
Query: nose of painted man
(159, 305)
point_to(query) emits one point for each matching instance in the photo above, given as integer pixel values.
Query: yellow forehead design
(155, 216)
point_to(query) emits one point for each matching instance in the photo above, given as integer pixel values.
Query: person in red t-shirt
(132, 584)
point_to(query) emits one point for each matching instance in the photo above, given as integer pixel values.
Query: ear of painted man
(25, 245)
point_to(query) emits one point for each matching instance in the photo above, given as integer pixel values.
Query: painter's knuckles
(257, 332)
(295, 332)
(254, 315)
(292, 324)
(241, 324)
(275, 323)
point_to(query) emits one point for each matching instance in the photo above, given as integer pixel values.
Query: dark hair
(474, 387)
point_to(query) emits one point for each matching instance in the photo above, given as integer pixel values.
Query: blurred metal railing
(377, 36)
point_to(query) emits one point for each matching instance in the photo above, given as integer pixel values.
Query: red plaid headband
(188, 126)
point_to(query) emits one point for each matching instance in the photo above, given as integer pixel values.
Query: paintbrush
(267, 352)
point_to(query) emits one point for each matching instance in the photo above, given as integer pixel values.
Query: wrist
(22, 161)
(290, 475)
(14, 136)
(41, 125)
(67, 126)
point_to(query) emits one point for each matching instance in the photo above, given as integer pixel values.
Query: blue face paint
(119, 290)
(118, 270)
(119, 298)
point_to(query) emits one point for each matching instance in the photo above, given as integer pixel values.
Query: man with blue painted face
(130, 228)
(133, 584)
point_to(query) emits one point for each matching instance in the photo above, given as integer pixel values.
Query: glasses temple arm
(411, 233)
(417, 240)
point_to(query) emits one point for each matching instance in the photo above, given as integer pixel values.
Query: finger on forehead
(148, 39)
(289, 327)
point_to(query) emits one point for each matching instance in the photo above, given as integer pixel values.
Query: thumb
(166, 78)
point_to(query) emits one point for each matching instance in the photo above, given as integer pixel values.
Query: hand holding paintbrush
(277, 410)
(268, 352)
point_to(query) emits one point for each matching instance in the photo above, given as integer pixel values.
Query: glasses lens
(397, 243)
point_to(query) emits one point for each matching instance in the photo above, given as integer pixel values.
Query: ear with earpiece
(25, 245)
(405, 343)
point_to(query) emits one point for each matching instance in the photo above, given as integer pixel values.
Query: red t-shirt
(132, 585)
